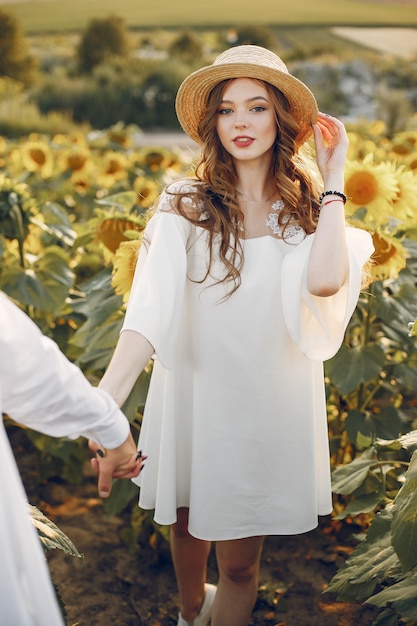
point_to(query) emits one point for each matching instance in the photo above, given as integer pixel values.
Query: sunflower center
(362, 188)
(113, 167)
(38, 156)
(76, 162)
(384, 250)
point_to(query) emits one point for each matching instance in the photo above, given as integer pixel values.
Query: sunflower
(114, 168)
(111, 231)
(404, 144)
(121, 134)
(37, 157)
(124, 267)
(153, 159)
(389, 258)
(147, 191)
(359, 147)
(405, 203)
(373, 186)
(81, 183)
(76, 159)
(411, 161)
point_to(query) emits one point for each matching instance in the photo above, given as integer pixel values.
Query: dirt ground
(112, 586)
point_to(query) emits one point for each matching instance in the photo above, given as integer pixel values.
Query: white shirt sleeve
(42, 389)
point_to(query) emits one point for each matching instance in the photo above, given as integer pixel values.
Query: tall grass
(55, 15)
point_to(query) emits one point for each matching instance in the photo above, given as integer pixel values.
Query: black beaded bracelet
(333, 193)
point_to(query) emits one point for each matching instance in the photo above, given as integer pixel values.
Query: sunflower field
(72, 210)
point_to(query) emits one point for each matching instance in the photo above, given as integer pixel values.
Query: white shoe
(203, 617)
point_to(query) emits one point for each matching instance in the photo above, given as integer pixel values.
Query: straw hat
(244, 62)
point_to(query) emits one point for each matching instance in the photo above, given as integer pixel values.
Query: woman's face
(246, 123)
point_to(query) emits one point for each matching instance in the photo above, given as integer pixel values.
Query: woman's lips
(243, 142)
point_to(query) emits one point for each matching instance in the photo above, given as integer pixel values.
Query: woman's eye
(224, 111)
(258, 108)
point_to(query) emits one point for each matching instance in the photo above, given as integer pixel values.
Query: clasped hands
(121, 462)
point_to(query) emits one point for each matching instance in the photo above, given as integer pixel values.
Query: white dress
(40, 388)
(235, 421)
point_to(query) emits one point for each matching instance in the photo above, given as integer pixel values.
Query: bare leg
(189, 556)
(238, 562)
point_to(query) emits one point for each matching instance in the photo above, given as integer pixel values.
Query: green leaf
(352, 366)
(404, 524)
(57, 224)
(137, 396)
(347, 478)
(401, 597)
(124, 200)
(386, 618)
(44, 285)
(391, 445)
(406, 374)
(51, 536)
(122, 492)
(362, 441)
(362, 504)
(409, 441)
(388, 423)
(373, 561)
(101, 330)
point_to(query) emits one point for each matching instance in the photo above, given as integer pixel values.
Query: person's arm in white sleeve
(41, 389)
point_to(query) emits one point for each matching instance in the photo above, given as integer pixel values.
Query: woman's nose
(241, 122)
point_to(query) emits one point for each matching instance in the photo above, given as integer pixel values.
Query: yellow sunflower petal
(124, 267)
(389, 258)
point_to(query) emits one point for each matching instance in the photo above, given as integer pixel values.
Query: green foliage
(376, 367)
(102, 39)
(256, 34)
(58, 457)
(394, 108)
(40, 280)
(187, 47)
(383, 568)
(137, 92)
(19, 118)
(15, 60)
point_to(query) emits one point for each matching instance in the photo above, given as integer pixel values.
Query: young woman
(245, 283)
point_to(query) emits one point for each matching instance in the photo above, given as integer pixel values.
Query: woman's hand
(121, 462)
(331, 147)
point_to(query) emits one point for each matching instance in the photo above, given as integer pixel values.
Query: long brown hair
(295, 177)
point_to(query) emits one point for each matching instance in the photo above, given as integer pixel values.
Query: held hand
(331, 145)
(121, 462)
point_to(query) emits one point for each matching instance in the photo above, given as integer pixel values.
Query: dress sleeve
(156, 301)
(317, 324)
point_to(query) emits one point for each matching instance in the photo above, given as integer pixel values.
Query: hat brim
(193, 94)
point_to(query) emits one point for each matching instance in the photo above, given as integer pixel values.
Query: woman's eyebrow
(247, 100)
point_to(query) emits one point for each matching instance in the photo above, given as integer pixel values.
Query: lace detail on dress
(183, 188)
(291, 230)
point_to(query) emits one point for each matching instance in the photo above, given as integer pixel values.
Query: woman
(245, 283)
